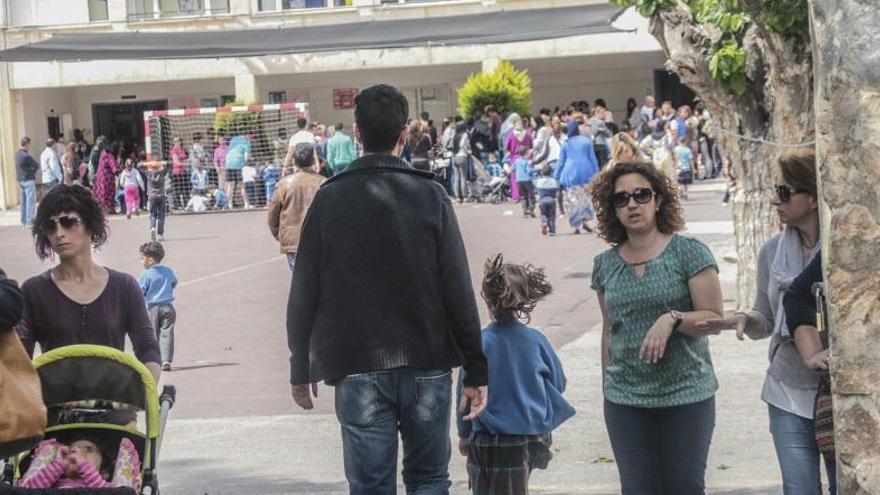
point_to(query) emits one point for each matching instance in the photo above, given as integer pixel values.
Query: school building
(98, 65)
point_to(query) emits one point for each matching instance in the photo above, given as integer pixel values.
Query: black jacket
(381, 279)
(799, 301)
(11, 303)
(25, 166)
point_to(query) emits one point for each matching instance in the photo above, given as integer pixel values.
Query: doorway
(124, 122)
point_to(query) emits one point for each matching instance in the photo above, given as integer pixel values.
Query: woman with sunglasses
(79, 301)
(653, 286)
(790, 386)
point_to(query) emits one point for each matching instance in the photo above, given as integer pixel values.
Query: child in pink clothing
(81, 465)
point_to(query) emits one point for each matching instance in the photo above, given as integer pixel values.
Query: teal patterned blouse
(685, 374)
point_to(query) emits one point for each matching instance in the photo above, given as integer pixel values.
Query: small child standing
(157, 174)
(512, 436)
(271, 176)
(249, 180)
(131, 182)
(684, 157)
(158, 283)
(547, 188)
(522, 168)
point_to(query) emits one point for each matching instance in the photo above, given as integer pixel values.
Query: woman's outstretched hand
(716, 325)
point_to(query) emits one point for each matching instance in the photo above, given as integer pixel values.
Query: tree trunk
(776, 106)
(846, 34)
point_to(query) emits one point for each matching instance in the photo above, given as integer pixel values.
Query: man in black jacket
(381, 307)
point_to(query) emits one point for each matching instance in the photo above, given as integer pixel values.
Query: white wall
(37, 106)
(47, 12)
(317, 88)
(613, 78)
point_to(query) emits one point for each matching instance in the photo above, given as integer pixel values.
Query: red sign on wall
(343, 98)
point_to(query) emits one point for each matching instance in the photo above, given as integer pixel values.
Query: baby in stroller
(85, 463)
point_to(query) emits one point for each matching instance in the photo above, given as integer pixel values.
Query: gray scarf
(785, 360)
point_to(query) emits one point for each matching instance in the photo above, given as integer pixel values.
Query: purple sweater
(52, 319)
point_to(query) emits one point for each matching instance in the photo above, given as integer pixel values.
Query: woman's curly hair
(69, 199)
(512, 291)
(669, 216)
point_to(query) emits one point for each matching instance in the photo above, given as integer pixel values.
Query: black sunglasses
(66, 223)
(785, 192)
(642, 195)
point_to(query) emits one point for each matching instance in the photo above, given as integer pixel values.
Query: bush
(505, 88)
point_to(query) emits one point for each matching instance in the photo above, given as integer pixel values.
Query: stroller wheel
(495, 199)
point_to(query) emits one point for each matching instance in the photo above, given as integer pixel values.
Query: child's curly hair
(512, 291)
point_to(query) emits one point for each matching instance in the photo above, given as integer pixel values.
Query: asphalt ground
(235, 430)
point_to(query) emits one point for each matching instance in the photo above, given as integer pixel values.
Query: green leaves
(645, 7)
(506, 88)
(728, 65)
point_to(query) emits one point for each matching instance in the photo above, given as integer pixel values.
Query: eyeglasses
(67, 223)
(642, 195)
(784, 192)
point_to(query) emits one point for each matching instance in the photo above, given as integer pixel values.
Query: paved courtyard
(235, 429)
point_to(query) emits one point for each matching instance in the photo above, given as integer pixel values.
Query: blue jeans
(798, 453)
(662, 450)
(373, 407)
(291, 260)
(28, 201)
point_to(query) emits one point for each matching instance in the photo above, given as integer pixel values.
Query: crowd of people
(385, 324)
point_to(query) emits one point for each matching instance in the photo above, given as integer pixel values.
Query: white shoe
(153, 234)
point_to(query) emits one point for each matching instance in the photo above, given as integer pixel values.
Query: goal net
(238, 150)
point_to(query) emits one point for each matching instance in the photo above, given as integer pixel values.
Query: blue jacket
(526, 383)
(158, 283)
(577, 160)
(522, 167)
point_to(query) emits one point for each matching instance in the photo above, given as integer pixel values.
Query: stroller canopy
(89, 372)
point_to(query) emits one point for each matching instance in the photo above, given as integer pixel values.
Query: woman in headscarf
(104, 187)
(575, 169)
(518, 138)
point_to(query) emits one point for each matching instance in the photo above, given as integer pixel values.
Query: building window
(153, 9)
(98, 10)
(276, 5)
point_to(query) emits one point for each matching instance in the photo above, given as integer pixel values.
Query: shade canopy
(484, 28)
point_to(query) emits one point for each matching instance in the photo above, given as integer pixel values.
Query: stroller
(497, 190)
(89, 389)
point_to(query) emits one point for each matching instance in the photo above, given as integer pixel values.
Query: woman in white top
(790, 387)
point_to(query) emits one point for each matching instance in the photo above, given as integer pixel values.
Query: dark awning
(493, 27)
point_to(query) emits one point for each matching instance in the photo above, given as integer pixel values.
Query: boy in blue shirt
(684, 157)
(512, 436)
(158, 282)
(522, 167)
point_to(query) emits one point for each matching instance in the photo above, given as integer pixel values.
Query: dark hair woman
(790, 386)
(79, 301)
(420, 145)
(653, 286)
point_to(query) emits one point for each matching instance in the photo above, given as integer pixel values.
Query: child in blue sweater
(522, 167)
(158, 283)
(512, 436)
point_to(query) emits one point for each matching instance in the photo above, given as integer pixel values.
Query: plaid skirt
(501, 464)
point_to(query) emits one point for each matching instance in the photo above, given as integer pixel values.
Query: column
(247, 88)
(9, 136)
